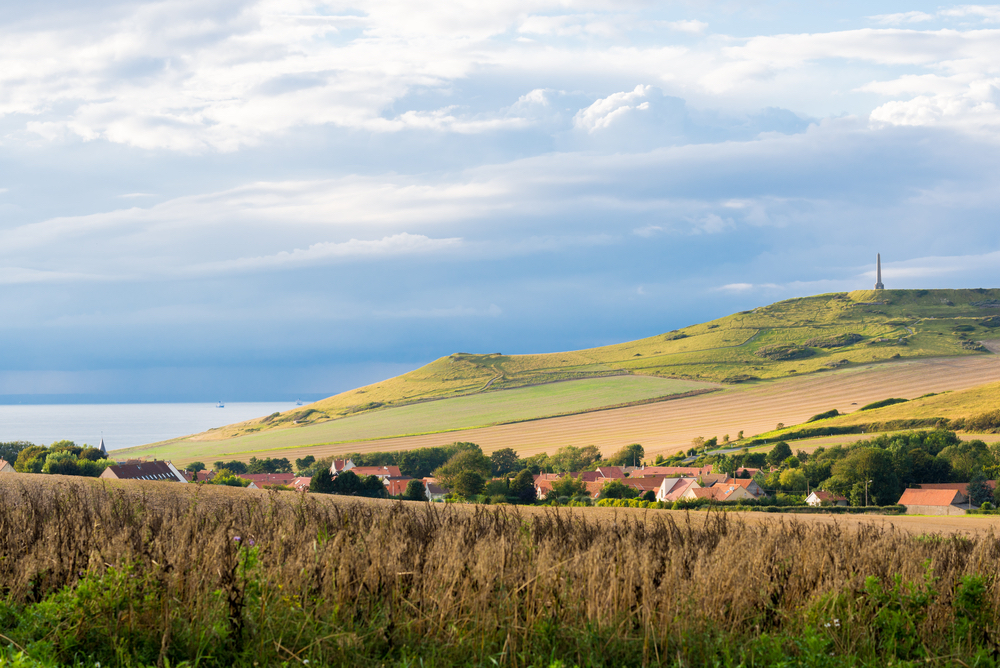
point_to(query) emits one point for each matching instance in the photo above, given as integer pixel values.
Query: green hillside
(795, 336)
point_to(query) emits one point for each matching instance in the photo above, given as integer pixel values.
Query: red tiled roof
(396, 486)
(824, 495)
(671, 470)
(931, 497)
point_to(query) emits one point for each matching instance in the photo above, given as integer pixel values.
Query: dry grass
(154, 571)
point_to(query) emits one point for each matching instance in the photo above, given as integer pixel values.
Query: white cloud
(395, 245)
(606, 111)
(689, 26)
(902, 17)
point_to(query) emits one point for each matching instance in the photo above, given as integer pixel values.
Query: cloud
(395, 245)
(902, 17)
(690, 26)
(602, 113)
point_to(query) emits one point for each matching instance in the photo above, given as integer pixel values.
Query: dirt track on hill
(670, 426)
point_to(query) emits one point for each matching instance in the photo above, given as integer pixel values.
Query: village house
(433, 490)
(154, 470)
(301, 483)
(5, 466)
(340, 465)
(671, 489)
(383, 473)
(397, 485)
(719, 492)
(934, 502)
(820, 497)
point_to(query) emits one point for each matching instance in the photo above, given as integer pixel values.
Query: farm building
(934, 502)
(5, 466)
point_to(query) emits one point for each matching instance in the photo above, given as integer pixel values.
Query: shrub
(823, 416)
(882, 404)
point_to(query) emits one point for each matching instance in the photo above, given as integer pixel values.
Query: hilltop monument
(878, 272)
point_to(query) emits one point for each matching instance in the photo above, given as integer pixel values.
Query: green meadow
(452, 414)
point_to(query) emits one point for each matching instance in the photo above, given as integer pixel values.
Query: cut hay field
(788, 338)
(660, 427)
(442, 417)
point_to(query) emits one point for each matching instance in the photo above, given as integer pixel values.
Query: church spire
(878, 272)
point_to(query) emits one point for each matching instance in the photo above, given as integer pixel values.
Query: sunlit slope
(791, 337)
(445, 417)
(947, 406)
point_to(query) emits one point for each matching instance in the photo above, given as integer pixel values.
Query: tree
(570, 459)
(538, 463)
(304, 463)
(466, 460)
(61, 462)
(91, 454)
(869, 466)
(630, 455)
(322, 482)
(10, 450)
(616, 489)
(725, 464)
(569, 486)
(497, 487)
(779, 453)
(505, 461)
(792, 480)
(415, 491)
(978, 491)
(350, 484)
(228, 478)
(31, 459)
(792, 462)
(522, 487)
(235, 466)
(650, 496)
(468, 484)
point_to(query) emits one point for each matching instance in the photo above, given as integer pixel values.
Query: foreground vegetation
(791, 337)
(154, 573)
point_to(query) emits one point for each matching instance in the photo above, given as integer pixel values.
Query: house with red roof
(721, 492)
(383, 473)
(934, 501)
(820, 497)
(396, 486)
(672, 489)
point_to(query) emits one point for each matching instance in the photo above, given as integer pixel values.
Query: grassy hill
(790, 337)
(954, 410)
(783, 340)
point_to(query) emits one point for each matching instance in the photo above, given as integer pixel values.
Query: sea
(122, 425)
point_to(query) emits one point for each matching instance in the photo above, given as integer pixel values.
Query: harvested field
(143, 573)
(670, 426)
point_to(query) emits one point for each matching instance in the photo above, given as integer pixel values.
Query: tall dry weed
(231, 576)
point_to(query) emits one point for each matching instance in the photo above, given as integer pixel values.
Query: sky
(247, 201)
